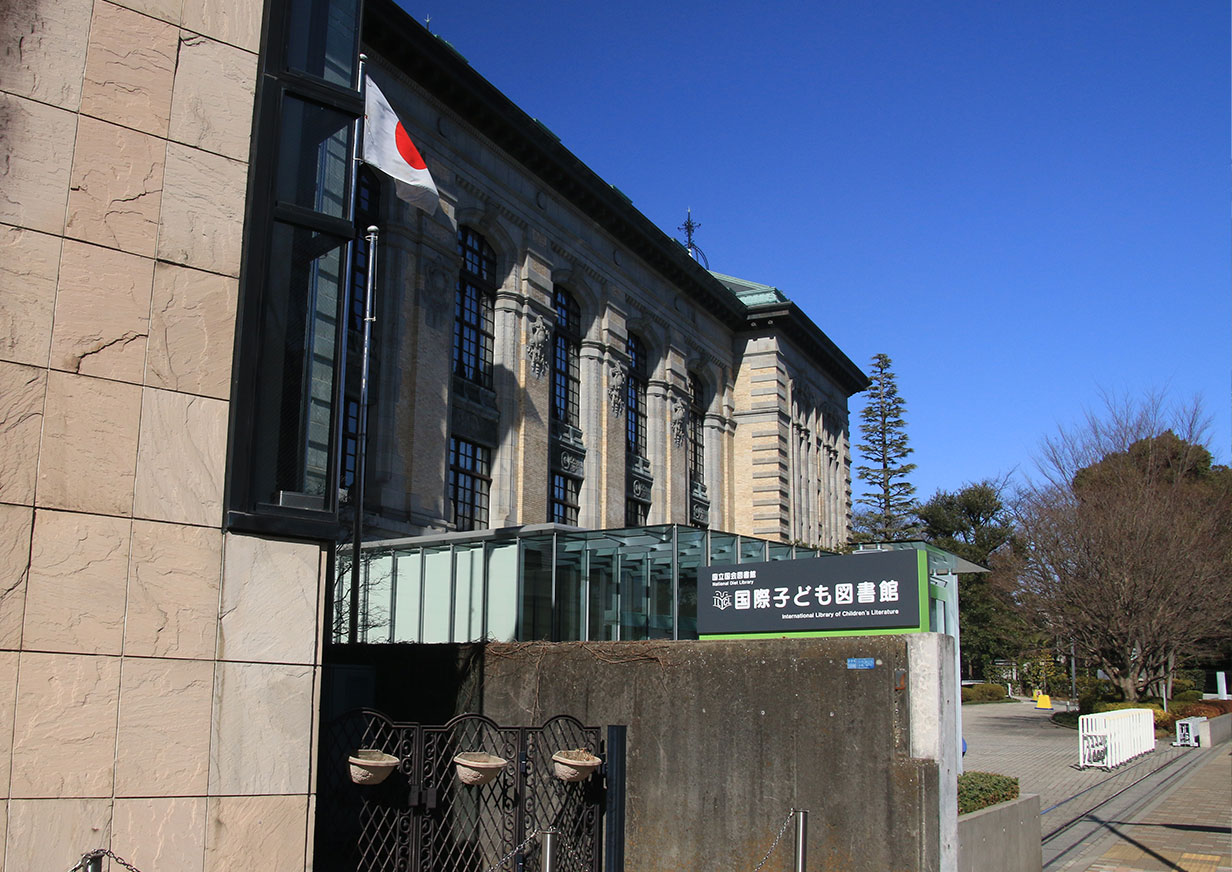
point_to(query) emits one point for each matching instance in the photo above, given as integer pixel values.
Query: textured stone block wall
(156, 677)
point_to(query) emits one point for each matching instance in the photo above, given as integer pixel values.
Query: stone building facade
(739, 399)
(172, 285)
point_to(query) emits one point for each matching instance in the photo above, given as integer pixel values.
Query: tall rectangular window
(566, 352)
(697, 445)
(312, 157)
(367, 212)
(635, 398)
(295, 376)
(284, 464)
(473, 309)
(564, 502)
(321, 38)
(470, 479)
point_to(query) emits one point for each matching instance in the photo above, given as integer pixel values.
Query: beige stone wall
(149, 701)
(792, 463)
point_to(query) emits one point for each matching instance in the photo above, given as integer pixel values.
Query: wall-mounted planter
(475, 767)
(370, 766)
(576, 765)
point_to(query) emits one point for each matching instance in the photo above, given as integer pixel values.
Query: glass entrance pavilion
(557, 583)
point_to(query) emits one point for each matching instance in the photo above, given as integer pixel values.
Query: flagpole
(357, 487)
(361, 452)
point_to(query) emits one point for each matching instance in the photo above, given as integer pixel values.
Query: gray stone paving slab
(1078, 845)
(1158, 822)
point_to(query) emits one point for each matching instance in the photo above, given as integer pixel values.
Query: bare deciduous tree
(1128, 540)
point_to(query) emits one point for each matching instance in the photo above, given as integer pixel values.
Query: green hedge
(977, 790)
(987, 692)
(984, 693)
(1210, 708)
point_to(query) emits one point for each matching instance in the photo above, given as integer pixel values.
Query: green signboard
(856, 594)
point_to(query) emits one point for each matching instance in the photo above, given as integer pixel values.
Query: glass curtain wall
(549, 583)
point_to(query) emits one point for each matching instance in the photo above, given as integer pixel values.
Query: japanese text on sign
(862, 591)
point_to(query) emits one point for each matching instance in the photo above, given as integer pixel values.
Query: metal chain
(775, 843)
(501, 861)
(98, 854)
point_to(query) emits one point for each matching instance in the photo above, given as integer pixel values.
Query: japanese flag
(388, 148)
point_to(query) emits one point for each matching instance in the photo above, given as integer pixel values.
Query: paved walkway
(1169, 810)
(1187, 827)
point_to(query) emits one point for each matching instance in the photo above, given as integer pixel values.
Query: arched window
(473, 307)
(697, 447)
(566, 350)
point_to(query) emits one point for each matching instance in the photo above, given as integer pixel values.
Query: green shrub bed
(1165, 721)
(983, 693)
(1208, 708)
(977, 790)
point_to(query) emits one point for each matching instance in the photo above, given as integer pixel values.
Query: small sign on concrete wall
(848, 593)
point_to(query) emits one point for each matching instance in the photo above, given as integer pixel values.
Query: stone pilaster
(536, 421)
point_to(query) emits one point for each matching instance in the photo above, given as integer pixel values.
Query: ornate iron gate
(423, 819)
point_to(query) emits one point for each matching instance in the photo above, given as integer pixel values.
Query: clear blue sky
(1022, 203)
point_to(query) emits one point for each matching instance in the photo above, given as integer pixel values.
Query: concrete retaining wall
(1004, 837)
(726, 737)
(1214, 731)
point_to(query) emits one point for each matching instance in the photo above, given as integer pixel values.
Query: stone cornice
(444, 73)
(787, 318)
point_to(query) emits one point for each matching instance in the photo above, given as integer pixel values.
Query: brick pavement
(1178, 820)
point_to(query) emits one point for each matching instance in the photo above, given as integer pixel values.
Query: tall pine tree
(890, 500)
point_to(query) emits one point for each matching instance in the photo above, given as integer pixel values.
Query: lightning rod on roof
(688, 227)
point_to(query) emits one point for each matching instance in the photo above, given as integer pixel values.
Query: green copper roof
(751, 293)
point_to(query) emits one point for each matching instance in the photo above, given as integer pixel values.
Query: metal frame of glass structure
(541, 582)
(556, 583)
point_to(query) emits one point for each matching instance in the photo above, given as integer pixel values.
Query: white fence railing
(1111, 738)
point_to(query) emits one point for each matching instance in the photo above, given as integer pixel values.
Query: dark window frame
(474, 321)
(247, 505)
(564, 503)
(367, 213)
(469, 484)
(696, 434)
(636, 513)
(635, 397)
(566, 359)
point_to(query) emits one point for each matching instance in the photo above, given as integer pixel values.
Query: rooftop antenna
(688, 227)
(428, 22)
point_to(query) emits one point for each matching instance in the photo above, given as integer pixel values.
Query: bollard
(547, 859)
(801, 839)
